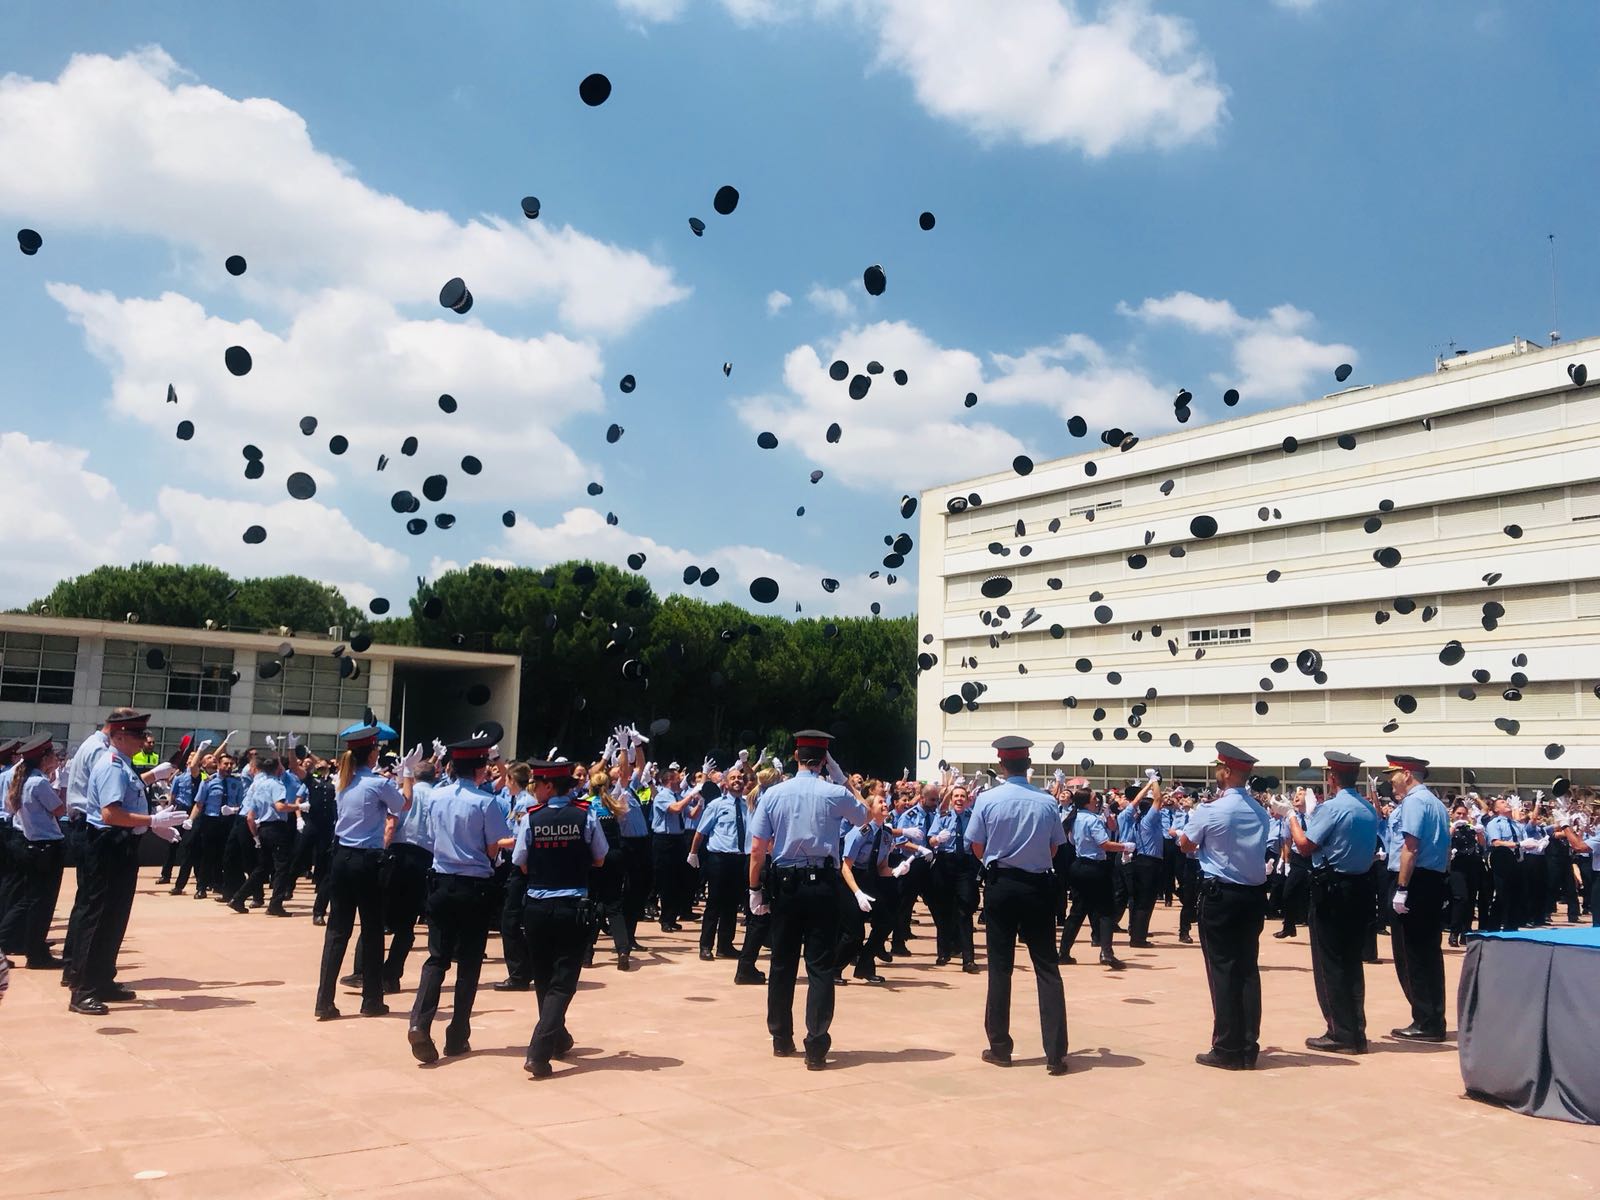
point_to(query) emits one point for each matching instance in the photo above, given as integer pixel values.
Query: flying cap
(360, 739)
(1013, 749)
(1404, 762)
(128, 723)
(471, 752)
(1229, 755)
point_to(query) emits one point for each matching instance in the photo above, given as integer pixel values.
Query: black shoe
(1056, 1066)
(1186, 939)
(327, 1013)
(46, 964)
(884, 956)
(237, 907)
(1225, 1062)
(899, 950)
(623, 963)
(588, 959)
(707, 956)
(163, 878)
(221, 897)
(671, 927)
(1373, 959)
(1328, 1045)
(278, 910)
(816, 1063)
(201, 895)
(563, 1047)
(633, 945)
(1284, 933)
(1112, 961)
(538, 1069)
(872, 978)
(971, 968)
(391, 987)
(319, 921)
(839, 980)
(729, 952)
(354, 981)
(117, 994)
(512, 985)
(783, 1047)
(374, 1010)
(422, 1047)
(177, 891)
(749, 975)
(1066, 959)
(1413, 1034)
(1145, 944)
(257, 902)
(941, 960)
(456, 1049)
(88, 1006)
(996, 1059)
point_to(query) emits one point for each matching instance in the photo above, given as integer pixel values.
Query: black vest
(558, 855)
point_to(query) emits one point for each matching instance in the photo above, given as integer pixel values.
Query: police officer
(559, 844)
(1504, 838)
(1229, 838)
(866, 865)
(797, 823)
(36, 805)
(1014, 831)
(1421, 891)
(955, 875)
(667, 816)
(119, 814)
(466, 825)
(723, 834)
(313, 846)
(363, 799)
(1089, 878)
(1149, 863)
(13, 859)
(266, 814)
(406, 860)
(1341, 839)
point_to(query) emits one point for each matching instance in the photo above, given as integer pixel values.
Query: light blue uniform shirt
(632, 824)
(958, 825)
(362, 807)
(719, 825)
(1148, 831)
(414, 827)
(1502, 829)
(1089, 835)
(801, 816)
(35, 813)
(5, 786)
(1424, 816)
(1392, 839)
(1594, 847)
(1230, 837)
(1125, 819)
(1018, 826)
(463, 822)
(78, 771)
(220, 790)
(1345, 829)
(858, 845)
(115, 781)
(662, 820)
(594, 837)
(920, 819)
(184, 786)
(261, 800)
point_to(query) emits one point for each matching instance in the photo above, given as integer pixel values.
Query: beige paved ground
(219, 1078)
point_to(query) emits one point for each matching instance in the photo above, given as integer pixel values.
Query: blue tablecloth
(1529, 1015)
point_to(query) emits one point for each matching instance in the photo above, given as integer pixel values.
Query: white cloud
(365, 372)
(129, 145)
(776, 302)
(833, 301)
(653, 10)
(1296, 5)
(583, 533)
(1273, 359)
(61, 518)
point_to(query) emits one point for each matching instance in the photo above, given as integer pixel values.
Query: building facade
(1135, 641)
(64, 675)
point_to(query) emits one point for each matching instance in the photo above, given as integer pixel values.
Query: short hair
(266, 765)
(810, 754)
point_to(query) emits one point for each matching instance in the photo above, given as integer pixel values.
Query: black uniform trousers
(671, 877)
(805, 917)
(956, 876)
(77, 854)
(1020, 903)
(636, 871)
(273, 860)
(912, 884)
(514, 942)
(1563, 888)
(757, 931)
(878, 925)
(1535, 886)
(1418, 957)
(1089, 880)
(1506, 870)
(1340, 912)
(355, 886)
(313, 852)
(459, 907)
(1144, 872)
(1296, 892)
(1466, 872)
(43, 886)
(1231, 917)
(205, 855)
(238, 854)
(727, 875)
(404, 874)
(13, 886)
(606, 886)
(1382, 881)
(1188, 893)
(109, 879)
(558, 942)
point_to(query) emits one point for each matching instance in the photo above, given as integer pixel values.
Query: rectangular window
(309, 687)
(36, 669)
(189, 679)
(1238, 635)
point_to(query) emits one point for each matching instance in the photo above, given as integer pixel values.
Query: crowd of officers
(814, 866)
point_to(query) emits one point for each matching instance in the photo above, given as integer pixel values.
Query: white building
(1489, 442)
(64, 675)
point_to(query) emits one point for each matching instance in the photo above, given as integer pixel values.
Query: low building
(1458, 507)
(64, 675)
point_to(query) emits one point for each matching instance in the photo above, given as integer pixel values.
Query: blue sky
(1131, 198)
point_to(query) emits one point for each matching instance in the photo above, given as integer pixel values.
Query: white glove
(744, 757)
(271, 743)
(639, 739)
(550, 755)
(258, 841)
(169, 818)
(622, 737)
(304, 806)
(439, 750)
(167, 833)
(762, 757)
(230, 810)
(161, 772)
(758, 903)
(924, 851)
(777, 764)
(863, 901)
(693, 860)
(902, 870)
(834, 770)
(409, 764)
(905, 774)
(232, 733)
(1400, 901)
(188, 823)
(1152, 774)
(200, 752)
(1060, 776)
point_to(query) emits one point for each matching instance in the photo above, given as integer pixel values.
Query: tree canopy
(725, 679)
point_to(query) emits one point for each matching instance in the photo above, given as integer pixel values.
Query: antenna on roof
(1555, 321)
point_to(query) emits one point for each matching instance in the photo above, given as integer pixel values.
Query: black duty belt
(1019, 874)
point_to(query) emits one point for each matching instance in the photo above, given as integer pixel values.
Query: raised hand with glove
(160, 773)
(834, 771)
(410, 763)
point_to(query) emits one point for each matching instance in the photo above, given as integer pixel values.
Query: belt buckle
(811, 876)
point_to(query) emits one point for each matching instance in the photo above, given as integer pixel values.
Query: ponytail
(19, 777)
(351, 761)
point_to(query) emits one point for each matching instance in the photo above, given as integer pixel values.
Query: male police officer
(797, 823)
(558, 843)
(1341, 838)
(1014, 831)
(1421, 890)
(467, 824)
(1229, 836)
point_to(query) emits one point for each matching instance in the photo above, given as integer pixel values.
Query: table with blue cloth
(1529, 1015)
